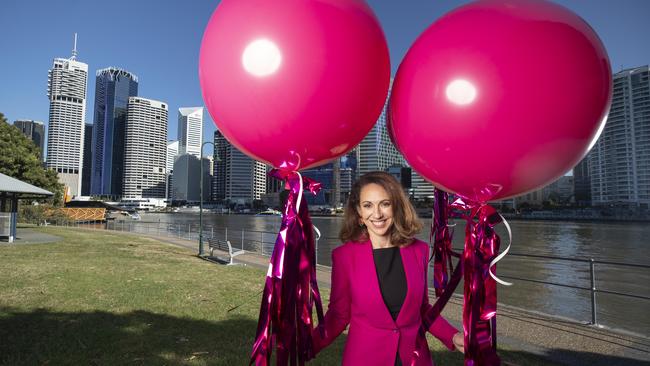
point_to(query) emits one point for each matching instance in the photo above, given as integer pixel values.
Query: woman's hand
(459, 341)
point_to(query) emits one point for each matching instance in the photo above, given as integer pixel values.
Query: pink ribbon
(291, 289)
(480, 292)
(480, 296)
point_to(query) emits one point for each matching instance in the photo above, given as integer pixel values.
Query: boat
(269, 212)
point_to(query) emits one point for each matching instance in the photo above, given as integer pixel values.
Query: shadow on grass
(42, 337)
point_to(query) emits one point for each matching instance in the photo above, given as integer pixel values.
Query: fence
(262, 242)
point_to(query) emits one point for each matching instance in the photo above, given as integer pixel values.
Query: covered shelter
(11, 190)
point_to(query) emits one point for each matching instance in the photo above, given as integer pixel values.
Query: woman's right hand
(459, 341)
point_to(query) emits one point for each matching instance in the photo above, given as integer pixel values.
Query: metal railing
(262, 242)
(592, 278)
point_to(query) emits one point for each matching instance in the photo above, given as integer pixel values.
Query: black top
(392, 281)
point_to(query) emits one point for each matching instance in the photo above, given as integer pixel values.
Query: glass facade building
(113, 87)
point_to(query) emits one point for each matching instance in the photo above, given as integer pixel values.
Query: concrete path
(31, 236)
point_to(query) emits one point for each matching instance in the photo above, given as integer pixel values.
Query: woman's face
(375, 209)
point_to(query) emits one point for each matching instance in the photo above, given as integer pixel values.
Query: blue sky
(159, 42)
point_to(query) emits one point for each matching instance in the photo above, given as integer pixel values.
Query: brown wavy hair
(405, 221)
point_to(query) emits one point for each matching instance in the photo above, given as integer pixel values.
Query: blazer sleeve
(440, 328)
(337, 316)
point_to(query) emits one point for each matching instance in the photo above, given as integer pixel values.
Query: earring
(361, 224)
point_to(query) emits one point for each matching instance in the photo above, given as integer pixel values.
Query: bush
(40, 214)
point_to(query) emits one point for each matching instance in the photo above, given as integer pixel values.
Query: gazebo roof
(13, 185)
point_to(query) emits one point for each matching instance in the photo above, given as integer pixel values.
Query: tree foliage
(19, 158)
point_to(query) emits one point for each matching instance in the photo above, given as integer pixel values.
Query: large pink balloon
(294, 83)
(498, 98)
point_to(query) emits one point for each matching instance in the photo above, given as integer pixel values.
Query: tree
(19, 158)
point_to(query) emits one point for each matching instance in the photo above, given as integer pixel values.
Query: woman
(379, 284)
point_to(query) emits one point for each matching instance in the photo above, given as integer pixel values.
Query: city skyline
(168, 62)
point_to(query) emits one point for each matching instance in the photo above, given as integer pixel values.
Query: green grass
(98, 298)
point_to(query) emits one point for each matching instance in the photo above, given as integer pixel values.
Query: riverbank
(113, 298)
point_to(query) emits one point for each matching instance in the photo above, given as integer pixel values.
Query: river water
(610, 242)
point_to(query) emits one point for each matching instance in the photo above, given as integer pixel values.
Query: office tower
(210, 159)
(186, 186)
(190, 130)
(351, 161)
(376, 151)
(172, 154)
(88, 160)
(113, 87)
(582, 183)
(238, 178)
(619, 162)
(421, 189)
(35, 131)
(402, 174)
(336, 179)
(145, 148)
(559, 192)
(67, 82)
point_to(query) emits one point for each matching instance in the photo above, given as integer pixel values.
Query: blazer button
(395, 330)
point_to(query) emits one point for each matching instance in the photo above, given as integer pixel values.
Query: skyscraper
(190, 130)
(88, 160)
(67, 83)
(237, 177)
(582, 183)
(113, 87)
(145, 149)
(619, 162)
(187, 186)
(376, 151)
(35, 131)
(172, 154)
(421, 188)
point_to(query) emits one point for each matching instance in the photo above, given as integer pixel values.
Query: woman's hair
(405, 221)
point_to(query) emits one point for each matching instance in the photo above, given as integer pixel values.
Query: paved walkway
(561, 341)
(30, 236)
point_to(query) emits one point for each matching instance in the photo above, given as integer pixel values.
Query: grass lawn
(98, 298)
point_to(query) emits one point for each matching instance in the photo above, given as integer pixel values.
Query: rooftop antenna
(74, 50)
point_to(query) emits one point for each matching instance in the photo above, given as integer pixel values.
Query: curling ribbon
(446, 279)
(290, 290)
(477, 265)
(480, 292)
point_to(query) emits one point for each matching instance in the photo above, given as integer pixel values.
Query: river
(612, 242)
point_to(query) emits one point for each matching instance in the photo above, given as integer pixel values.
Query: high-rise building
(67, 83)
(582, 183)
(35, 131)
(113, 87)
(421, 189)
(351, 161)
(172, 154)
(186, 184)
(619, 162)
(237, 178)
(145, 148)
(559, 192)
(376, 151)
(88, 160)
(190, 130)
(402, 174)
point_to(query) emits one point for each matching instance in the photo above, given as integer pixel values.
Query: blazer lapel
(375, 302)
(410, 305)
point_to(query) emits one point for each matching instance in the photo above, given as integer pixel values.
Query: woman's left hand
(459, 341)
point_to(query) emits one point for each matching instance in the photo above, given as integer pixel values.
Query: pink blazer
(355, 299)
